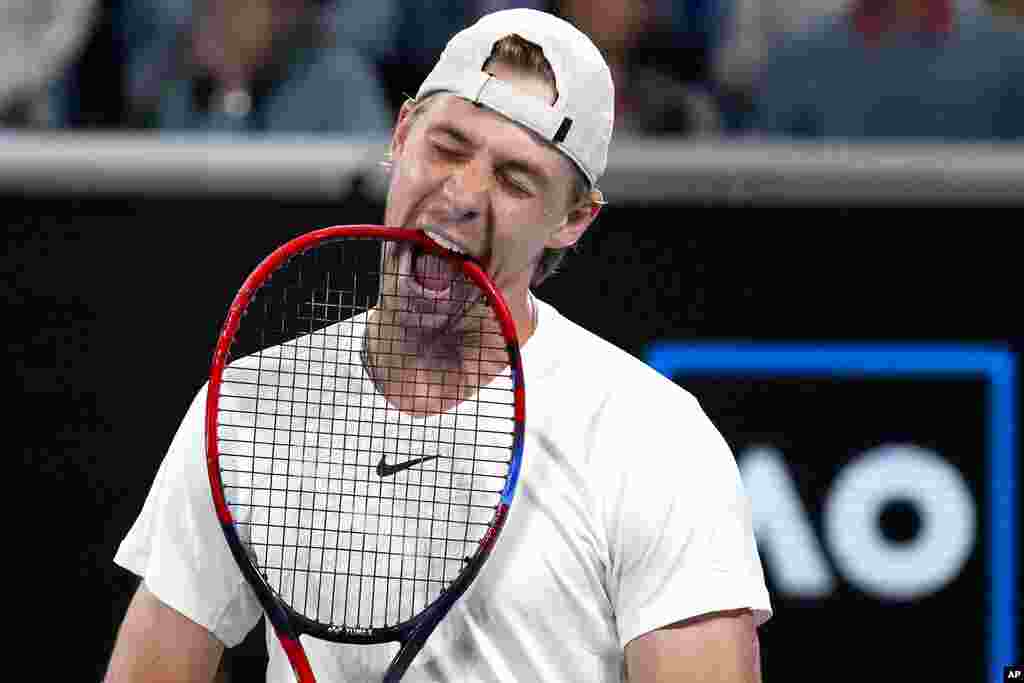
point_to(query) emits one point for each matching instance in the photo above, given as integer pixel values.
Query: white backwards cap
(579, 123)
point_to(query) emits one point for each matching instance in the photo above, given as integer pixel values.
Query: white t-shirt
(629, 515)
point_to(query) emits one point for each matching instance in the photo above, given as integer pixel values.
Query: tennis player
(629, 553)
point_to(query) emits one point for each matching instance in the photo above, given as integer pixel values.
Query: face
(483, 184)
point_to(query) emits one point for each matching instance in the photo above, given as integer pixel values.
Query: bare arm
(720, 647)
(157, 644)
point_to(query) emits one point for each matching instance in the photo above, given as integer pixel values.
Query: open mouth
(433, 273)
(428, 290)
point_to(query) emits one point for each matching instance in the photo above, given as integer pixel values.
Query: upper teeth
(446, 243)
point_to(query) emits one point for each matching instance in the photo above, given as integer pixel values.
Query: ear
(402, 126)
(576, 223)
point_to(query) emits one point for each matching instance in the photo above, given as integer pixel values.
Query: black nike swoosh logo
(386, 470)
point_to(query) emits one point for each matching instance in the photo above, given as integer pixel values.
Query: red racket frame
(287, 624)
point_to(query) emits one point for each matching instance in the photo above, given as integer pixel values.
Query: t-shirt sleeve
(681, 540)
(176, 544)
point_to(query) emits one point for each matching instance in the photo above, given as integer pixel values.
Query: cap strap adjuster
(563, 130)
(483, 84)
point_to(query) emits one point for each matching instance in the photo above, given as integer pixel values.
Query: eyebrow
(516, 165)
(453, 132)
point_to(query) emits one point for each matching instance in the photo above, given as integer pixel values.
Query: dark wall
(113, 305)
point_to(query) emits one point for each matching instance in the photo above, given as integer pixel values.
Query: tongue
(433, 273)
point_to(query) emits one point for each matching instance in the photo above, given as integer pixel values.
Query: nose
(467, 190)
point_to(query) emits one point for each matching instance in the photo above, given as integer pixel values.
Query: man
(630, 548)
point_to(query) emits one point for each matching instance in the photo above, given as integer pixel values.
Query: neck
(430, 372)
(522, 308)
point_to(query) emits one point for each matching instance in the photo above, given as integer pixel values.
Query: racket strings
(313, 455)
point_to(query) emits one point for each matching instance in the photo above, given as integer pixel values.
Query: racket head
(239, 495)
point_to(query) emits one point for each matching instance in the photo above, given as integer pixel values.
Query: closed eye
(518, 187)
(448, 151)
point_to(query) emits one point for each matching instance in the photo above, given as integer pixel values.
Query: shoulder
(577, 354)
(623, 399)
(339, 344)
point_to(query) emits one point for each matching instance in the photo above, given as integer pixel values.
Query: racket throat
(414, 642)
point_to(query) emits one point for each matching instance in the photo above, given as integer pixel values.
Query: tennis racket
(364, 434)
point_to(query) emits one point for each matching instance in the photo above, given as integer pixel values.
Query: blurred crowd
(927, 69)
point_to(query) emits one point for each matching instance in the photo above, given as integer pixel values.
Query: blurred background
(774, 243)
